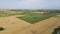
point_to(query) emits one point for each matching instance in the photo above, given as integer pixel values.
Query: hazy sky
(29, 4)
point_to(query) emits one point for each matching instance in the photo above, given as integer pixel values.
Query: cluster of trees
(45, 11)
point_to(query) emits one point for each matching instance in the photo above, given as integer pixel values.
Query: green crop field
(7, 13)
(35, 17)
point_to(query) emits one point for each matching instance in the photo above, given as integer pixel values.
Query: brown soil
(14, 25)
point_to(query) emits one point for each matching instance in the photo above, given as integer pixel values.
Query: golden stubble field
(14, 25)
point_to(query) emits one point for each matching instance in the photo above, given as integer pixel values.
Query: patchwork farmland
(15, 22)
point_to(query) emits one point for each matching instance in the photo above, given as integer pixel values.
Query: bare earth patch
(14, 25)
(44, 27)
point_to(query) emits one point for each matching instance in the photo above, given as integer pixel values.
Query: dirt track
(16, 26)
(44, 27)
(12, 24)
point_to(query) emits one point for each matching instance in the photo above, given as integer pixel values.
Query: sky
(29, 4)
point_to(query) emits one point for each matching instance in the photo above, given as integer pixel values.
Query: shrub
(56, 30)
(1, 28)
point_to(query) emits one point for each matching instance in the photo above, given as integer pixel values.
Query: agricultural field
(13, 22)
(36, 17)
(8, 13)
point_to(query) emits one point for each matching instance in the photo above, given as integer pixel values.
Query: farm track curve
(14, 25)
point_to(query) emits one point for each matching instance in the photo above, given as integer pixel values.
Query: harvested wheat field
(14, 25)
